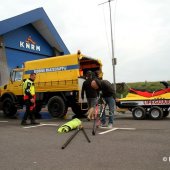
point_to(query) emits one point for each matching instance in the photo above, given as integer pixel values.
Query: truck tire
(165, 113)
(8, 107)
(139, 113)
(76, 108)
(56, 106)
(156, 113)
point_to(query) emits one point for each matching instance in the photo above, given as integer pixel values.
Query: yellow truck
(58, 84)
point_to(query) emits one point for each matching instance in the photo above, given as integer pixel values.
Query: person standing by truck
(29, 100)
(91, 94)
(108, 94)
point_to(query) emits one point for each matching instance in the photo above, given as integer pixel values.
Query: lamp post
(112, 45)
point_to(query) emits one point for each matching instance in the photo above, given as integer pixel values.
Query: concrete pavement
(146, 147)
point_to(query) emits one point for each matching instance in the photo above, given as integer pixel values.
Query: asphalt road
(146, 147)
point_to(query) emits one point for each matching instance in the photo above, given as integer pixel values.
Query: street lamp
(112, 45)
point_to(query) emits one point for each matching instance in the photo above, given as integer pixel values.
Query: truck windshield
(17, 76)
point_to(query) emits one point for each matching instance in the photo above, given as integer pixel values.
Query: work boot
(24, 123)
(33, 122)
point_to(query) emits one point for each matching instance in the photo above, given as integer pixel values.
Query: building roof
(40, 21)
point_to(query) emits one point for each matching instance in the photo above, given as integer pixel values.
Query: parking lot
(131, 144)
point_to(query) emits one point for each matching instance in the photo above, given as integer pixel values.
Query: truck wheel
(139, 113)
(165, 113)
(76, 108)
(156, 113)
(8, 107)
(56, 106)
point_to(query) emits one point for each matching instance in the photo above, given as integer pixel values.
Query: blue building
(28, 36)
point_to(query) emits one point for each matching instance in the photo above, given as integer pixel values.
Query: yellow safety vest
(29, 86)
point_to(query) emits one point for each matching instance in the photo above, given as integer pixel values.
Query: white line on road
(27, 127)
(3, 121)
(49, 124)
(113, 129)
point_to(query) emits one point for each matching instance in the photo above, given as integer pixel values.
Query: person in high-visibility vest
(29, 99)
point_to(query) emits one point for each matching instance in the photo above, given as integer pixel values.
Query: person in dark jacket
(91, 94)
(108, 95)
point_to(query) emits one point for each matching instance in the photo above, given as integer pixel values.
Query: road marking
(27, 127)
(50, 124)
(113, 129)
(47, 124)
(3, 121)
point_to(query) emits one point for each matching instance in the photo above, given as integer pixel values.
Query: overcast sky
(141, 33)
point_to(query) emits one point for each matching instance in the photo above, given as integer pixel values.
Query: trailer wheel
(156, 113)
(56, 106)
(165, 113)
(8, 107)
(139, 113)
